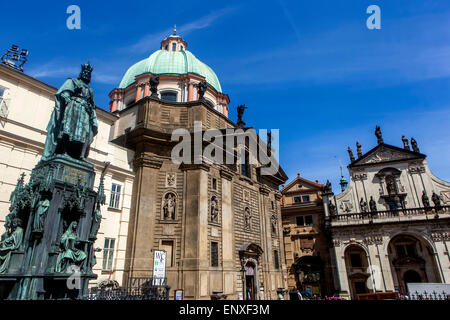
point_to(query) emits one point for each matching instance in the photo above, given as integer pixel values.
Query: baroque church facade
(390, 227)
(220, 224)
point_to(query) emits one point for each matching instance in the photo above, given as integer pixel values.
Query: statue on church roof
(73, 123)
(363, 205)
(378, 134)
(154, 82)
(350, 153)
(240, 112)
(372, 204)
(425, 200)
(405, 143)
(414, 145)
(436, 200)
(358, 149)
(201, 89)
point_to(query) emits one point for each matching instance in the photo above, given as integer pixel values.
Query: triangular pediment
(301, 184)
(384, 153)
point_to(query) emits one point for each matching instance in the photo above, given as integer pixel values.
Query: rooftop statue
(201, 89)
(405, 143)
(378, 134)
(414, 145)
(73, 123)
(240, 111)
(154, 82)
(350, 154)
(358, 149)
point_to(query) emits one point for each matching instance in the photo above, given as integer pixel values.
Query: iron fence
(137, 289)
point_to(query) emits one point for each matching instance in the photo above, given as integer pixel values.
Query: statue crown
(87, 67)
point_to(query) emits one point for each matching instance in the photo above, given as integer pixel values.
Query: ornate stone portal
(47, 250)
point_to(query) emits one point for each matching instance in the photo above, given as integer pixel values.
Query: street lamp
(243, 282)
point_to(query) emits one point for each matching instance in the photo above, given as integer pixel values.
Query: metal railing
(425, 296)
(142, 288)
(385, 214)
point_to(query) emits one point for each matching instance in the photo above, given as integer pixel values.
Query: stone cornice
(195, 166)
(226, 174)
(143, 161)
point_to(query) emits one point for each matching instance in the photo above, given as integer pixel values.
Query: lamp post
(243, 283)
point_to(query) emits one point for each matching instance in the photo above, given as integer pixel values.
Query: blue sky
(309, 68)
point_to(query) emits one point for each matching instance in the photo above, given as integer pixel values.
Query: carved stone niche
(214, 209)
(169, 206)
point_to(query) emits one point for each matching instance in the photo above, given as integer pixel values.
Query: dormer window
(174, 46)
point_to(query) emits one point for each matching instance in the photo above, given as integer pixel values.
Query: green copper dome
(171, 63)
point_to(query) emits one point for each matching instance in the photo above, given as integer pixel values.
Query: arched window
(169, 96)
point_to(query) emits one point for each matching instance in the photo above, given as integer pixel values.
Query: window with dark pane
(169, 96)
(308, 220)
(275, 257)
(214, 254)
(355, 260)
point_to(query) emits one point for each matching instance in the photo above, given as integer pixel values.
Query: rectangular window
(2, 91)
(308, 220)
(300, 221)
(214, 254)
(273, 205)
(167, 245)
(114, 200)
(214, 183)
(174, 47)
(355, 260)
(297, 199)
(305, 199)
(275, 257)
(108, 252)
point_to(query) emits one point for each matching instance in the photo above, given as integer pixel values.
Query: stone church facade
(391, 226)
(220, 225)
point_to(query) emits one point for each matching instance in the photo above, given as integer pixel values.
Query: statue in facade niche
(350, 154)
(274, 223)
(154, 82)
(214, 209)
(41, 212)
(358, 149)
(363, 205)
(69, 253)
(169, 206)
(11, 242)
(247, 217)
(414, 145)
(201, 89)
(378, 135)
(73, 123)
(405, 143)
(436, 200)
(372, 205)
(425, 200)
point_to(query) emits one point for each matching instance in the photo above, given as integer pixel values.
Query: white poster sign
(159, 267)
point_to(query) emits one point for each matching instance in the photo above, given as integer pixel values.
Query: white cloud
(152, 40)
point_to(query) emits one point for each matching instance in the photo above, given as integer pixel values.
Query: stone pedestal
(56, 211)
